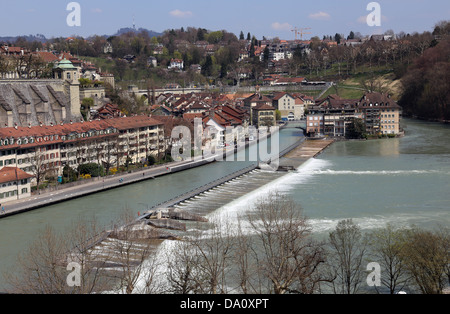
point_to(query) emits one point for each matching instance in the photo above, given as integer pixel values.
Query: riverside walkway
(96, 186)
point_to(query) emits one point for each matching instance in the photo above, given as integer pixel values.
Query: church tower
(67, 72)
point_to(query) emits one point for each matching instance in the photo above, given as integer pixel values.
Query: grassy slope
(353, 88)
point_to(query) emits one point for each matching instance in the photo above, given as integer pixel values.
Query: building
(382, 114)
(314, 124)
(12, 51)
(176, 64)
(263, 115)
(35, 102)
(15, 184)
(256, 100)
(291, 107)
(333, 115)
(45, 150)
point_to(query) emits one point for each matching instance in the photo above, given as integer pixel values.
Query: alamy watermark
(74, 277)
(374, 278)
(74, 17)
(374, 18)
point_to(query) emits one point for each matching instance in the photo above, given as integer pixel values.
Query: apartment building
(382, 113)
(332, 116)
(46, 150)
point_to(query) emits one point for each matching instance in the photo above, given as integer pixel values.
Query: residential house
(263, 115)
(48, 57)
(12, 51)
(129, 58)
(290, 107)
(382, 114)
(289, 81)
(196, 68)
(176, 64)
(15, 184)
(256, 100)
(334, 116)
(108, 48)
(107, 111)
(161, 110)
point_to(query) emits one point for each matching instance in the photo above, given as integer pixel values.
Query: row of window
(388, 121)
(7, 162)
(22, 182)
(12, 193)
(32, 140)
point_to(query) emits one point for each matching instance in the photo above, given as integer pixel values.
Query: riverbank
(103, 184)
(100, 185)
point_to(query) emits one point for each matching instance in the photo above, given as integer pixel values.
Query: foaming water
(282, 185)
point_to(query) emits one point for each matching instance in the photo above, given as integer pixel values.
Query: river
(404, 181)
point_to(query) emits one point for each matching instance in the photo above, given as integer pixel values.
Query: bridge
(156, 92)
(321, 87)
(296, 125)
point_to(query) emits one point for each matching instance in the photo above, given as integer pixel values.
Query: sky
(257, 17)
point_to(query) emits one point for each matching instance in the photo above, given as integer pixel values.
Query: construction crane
(300, 32)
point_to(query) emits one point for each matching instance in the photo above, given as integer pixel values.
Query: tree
(427, 258)
(120, 68)
(429, 96)
(40, 168)
(347, 251)
(131, 254)
(356, 129)
(201, 264)
(86, 105)
(92, 169)
(388, 246)
(208, 67)
(201, 34)
(42, 269)
(69, 175)
(287, 256)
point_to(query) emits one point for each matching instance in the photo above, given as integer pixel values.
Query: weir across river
(290, 158)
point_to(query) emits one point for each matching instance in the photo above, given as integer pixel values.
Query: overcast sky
(259, 17)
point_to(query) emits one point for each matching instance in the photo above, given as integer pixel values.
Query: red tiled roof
(9, 174)
(36, 132)
(192, 116)
(12, 49)
(47, 56)
(263, 107)
(127, 123)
